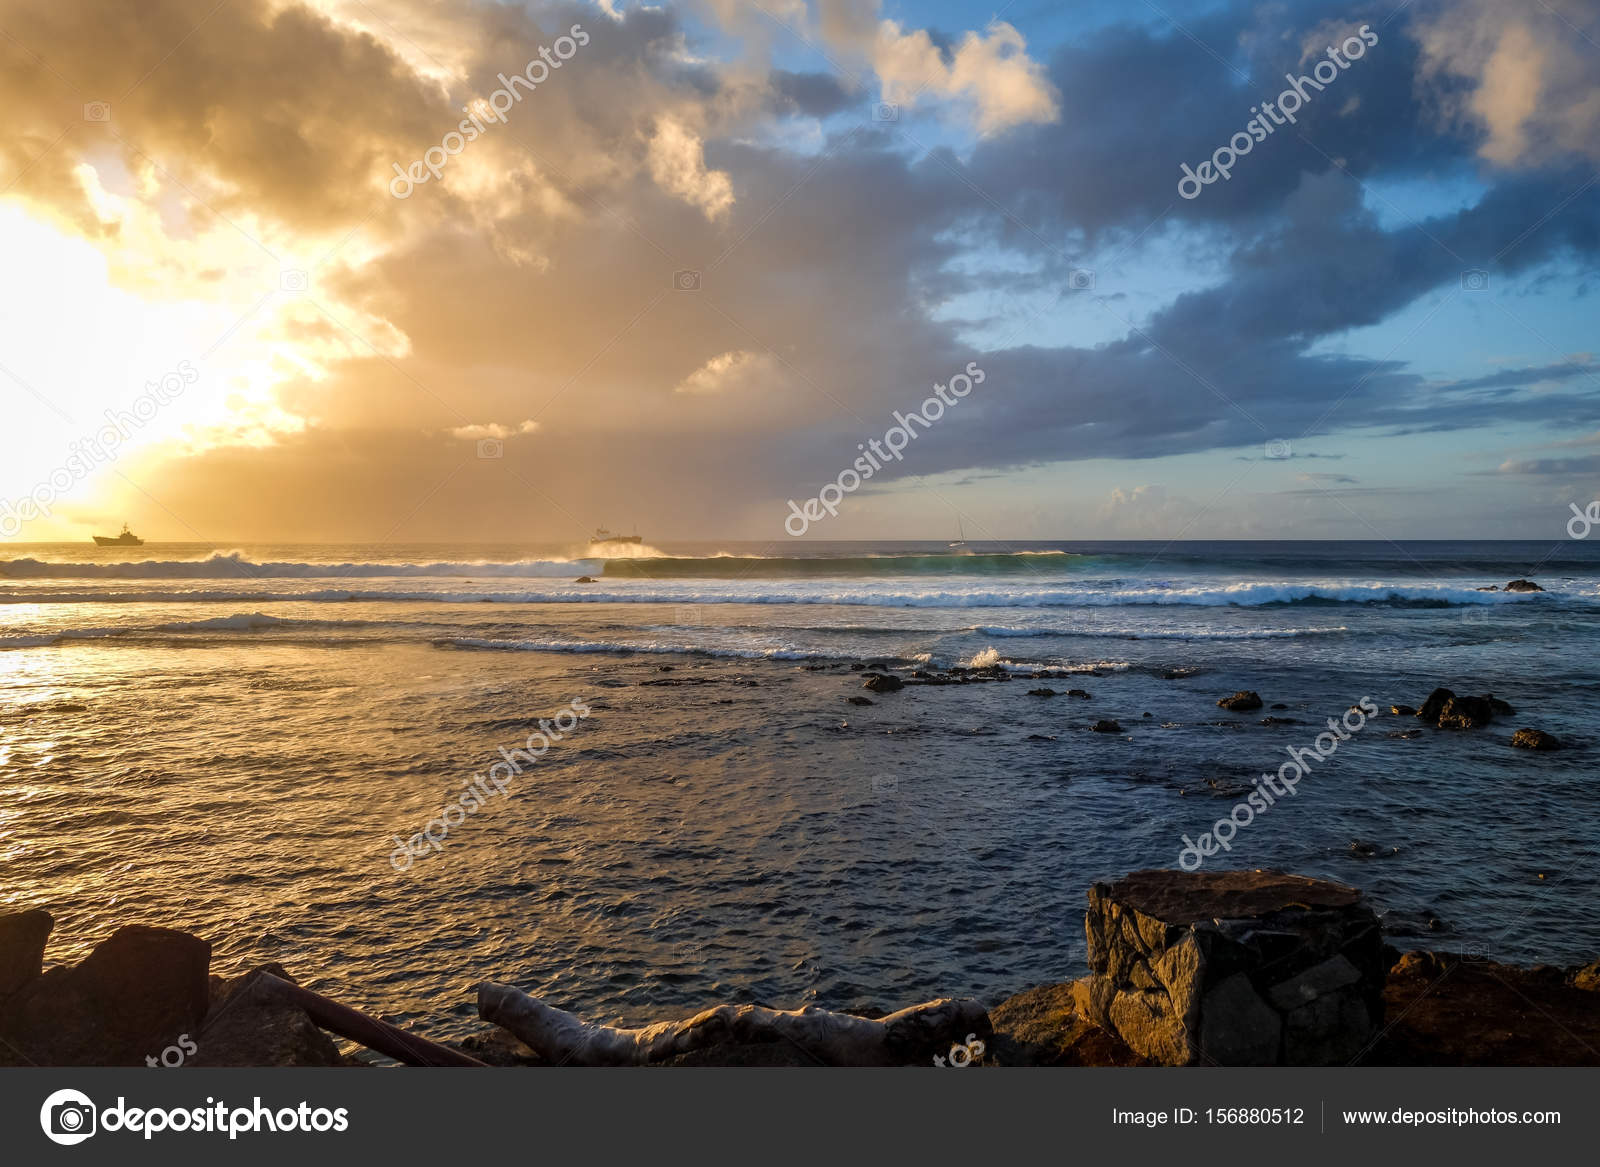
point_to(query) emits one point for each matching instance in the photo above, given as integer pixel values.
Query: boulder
(1534, 739)
(246, 1026)
(1041, 692)
(1523, 585)
(1466, 713)
(1242, 701)
(1402, 711)
(584, 579)
(1083, 694)
(1105, 725)
(1432, 707)
(129, 998)
(1234, 968)
(23, 936)
(882, 683)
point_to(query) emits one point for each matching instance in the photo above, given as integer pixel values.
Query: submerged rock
(1402, 711)
(1042, 693)
(1081, 693)
(1535, 739)
(1241, 702)
(860, 700)
(883, 683)
(1105, 725)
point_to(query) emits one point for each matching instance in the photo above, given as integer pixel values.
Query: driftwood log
(908, 1037)
(387, 1039)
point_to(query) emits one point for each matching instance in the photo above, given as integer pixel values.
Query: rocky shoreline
(1213, 968)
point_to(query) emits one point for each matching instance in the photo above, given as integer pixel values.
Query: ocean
(241, 741)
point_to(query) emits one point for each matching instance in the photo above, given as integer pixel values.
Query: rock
(883, 683)
(1451, 1011)
(1041, 737)
(1498, 707)
(1080, 693)
(1432, 707)
(1586, 978)
(1534, 739)
(1242, 701)
(860, 700)
(856, 666)
(1466, 713)
(1402, 711)
(23, 936)
(129, 998)
(1044, 1027)
(1489, 588)
(1279, 705)
(248, 1027)
(1041, 692)
(1523, 585)
(1233, 968)
(1278, 721)
(1404, 733)
(1105, 725)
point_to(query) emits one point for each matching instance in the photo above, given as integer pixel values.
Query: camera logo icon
(886, 111)
(1474, 280)
(97, 111)
(686, 281)
(1279, 449)
(293, 281)
(1080, 279)
(68, 1117)
(491, 448)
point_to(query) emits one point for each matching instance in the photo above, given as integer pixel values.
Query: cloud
(472, 433)
(678, 166)
(1523, 75)
(989, 71)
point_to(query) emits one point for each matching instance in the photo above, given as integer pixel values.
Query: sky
(416, 270)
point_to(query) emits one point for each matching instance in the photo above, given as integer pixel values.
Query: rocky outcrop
(23, 936)
(1523, 585)
(1241, 702)
(248, 1026)
(130, 997)
(1106, 725)
(1233, 968)
(1455, 1010)
(1535, 739)
(883, 683)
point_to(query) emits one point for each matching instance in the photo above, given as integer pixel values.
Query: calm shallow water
(256, 728)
